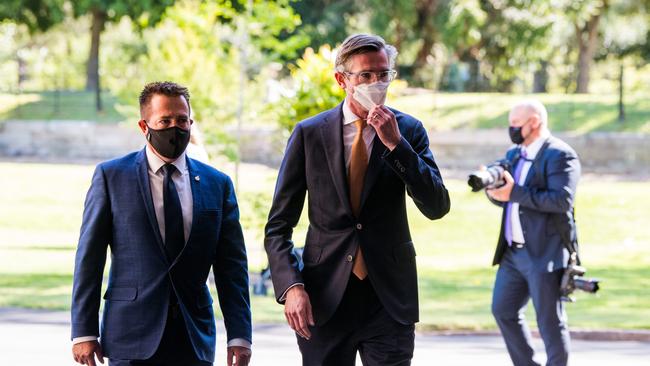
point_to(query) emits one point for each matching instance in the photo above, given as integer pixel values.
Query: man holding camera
(537, 200)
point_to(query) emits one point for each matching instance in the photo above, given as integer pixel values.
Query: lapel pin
(197, 178)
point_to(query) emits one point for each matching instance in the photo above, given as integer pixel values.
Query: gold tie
(356, 175)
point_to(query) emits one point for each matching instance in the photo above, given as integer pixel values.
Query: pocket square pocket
(121, 293)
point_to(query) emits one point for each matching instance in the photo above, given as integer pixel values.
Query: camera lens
(586, 285)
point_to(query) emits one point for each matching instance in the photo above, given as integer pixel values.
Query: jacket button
(349, 258)
(359, 226)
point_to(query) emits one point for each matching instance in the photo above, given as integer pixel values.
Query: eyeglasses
(367, 76)
(181, 121)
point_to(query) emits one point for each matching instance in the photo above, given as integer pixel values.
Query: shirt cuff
(83, 339)
(284, 294)
(239, 342)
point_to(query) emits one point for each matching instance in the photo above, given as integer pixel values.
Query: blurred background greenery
(462, 64)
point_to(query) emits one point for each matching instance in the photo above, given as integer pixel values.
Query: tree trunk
(587, 42)
(621, 105)
(22, 70)
(92, 67)
(540, 78)
(426, 10)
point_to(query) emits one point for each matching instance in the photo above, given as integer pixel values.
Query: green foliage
(37, 15)
(219, 52)
(144, 12)
(315, 91)
(325, 22)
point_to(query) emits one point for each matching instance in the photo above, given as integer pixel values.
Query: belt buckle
(518, 245)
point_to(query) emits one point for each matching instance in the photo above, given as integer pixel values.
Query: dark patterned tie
(174, 235)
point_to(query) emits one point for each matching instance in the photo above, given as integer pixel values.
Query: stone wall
(67, 140)
(601, 153)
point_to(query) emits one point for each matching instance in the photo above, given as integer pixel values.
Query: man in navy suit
(537, 227)
(167, 220)
(357, 290)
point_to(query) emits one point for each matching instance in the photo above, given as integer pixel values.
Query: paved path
(41, 338)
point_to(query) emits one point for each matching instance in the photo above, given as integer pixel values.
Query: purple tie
(517, 176)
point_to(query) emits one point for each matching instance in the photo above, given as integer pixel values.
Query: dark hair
(363, 43)
(167, 88)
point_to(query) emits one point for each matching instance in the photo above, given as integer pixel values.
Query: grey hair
(357, 44)
(534, 106)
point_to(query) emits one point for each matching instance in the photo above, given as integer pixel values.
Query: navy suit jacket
(545, 204)
(119, 214)
(314, 165)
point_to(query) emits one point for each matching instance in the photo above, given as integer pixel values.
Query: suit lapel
(374, 168)
(332, 135)
(142, 171)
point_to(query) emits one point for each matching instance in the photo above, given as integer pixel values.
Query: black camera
(490, 177)
(572, 280)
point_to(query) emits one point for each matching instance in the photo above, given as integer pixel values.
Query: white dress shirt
(181, 178)
(349, 133)
(531, 152)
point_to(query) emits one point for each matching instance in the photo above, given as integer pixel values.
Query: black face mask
(169, 142)
(515, 135)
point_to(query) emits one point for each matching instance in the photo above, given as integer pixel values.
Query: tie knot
(524, 154)
(169, 169)
(361, 124)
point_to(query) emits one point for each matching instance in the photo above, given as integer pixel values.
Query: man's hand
(238, 356)
(84, 353)
(502, 194)
(385, 124)
(297, 310)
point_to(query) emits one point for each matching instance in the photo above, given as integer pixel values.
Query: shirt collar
(155, 163)
(348, 115)
(535, 146)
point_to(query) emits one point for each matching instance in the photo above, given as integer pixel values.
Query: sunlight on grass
(38, 238)
(9, 102)
(575, 112)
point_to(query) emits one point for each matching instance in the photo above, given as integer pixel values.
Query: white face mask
(370, 95)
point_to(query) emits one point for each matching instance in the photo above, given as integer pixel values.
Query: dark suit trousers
(359, 324)
(517, 281)
(175, 348)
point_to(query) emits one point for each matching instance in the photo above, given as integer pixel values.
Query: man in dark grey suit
(537, 224)
(357, 291)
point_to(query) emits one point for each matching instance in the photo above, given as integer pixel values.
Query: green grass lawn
(580, 113)
(439, 111)
(64, 105)
(42, 206)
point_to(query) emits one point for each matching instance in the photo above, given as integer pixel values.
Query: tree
(498, 40)
(586, 16)
(41, 15)
(325, 22)
(37, 15)
(143, 12)
(413, 27)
